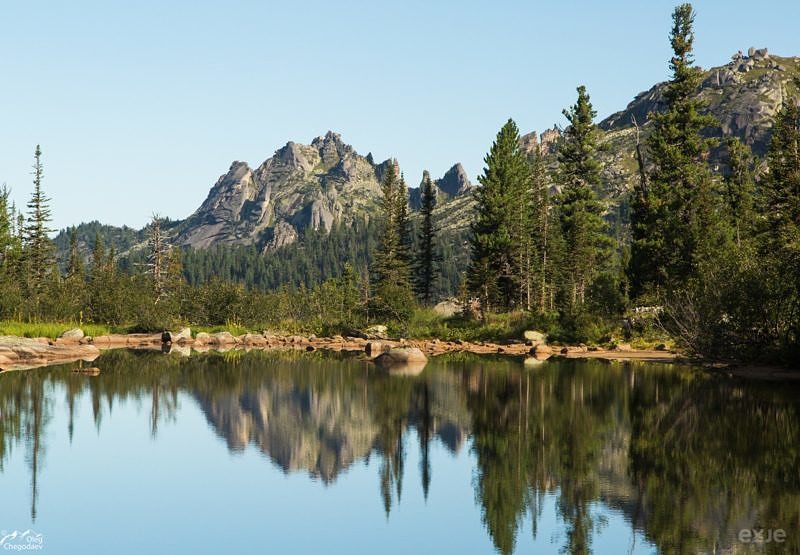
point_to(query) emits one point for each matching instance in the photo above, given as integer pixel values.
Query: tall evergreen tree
(673, 209)
(6, 226)
(494, 273)
(780, 236)
(427, 258)
(391, 270)
(739, 188)
(39, 250)
(588, 244)
(403, 225)
(75, 267)
(546, 233)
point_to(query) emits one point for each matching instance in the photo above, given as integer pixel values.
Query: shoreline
(20, 353)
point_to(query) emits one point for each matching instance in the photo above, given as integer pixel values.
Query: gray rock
(402, 355)
(447, 308)
(377, 331)
(74, 333)
(535, 337)
(301, 186)
(222, 338)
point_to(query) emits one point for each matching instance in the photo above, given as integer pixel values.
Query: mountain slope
(328, 185)
(301, 186)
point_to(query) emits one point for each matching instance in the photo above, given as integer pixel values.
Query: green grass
(425, 324)
(52, 329)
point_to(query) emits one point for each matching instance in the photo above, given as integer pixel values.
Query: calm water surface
(311, 453)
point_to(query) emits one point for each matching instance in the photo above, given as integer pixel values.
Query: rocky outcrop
(743, 95)
(18, 353)
(454, 183)
(300, 186)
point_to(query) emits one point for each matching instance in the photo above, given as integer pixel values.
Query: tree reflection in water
(689, 459)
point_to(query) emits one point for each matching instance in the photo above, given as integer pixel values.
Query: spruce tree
(427, 258)
(494, 275)
(541, 230)
(780, 233)
(739, 189)
(38, 249)
(588, 246)
(403, 227)
(672, 217)
(6, 226)
(391, 271)
(75, 262)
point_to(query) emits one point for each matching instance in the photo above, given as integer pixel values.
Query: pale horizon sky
(141, 106)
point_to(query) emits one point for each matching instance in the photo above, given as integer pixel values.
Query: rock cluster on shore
(18, 352)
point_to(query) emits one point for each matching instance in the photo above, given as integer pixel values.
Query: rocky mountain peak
(300, 186)
(546, 143)
(743, 95)
(455, 181)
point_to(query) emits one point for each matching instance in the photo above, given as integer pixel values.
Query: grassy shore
(424, 324)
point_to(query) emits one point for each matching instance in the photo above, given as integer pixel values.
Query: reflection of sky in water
(120, 490)
(286, 455)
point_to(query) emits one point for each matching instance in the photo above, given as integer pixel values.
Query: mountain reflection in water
(688, 459)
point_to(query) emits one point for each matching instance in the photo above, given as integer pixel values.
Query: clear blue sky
(140, 106)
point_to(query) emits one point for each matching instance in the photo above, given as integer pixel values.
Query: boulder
(402, 355)
(447, 308)
(202, 338)
(21, 352)
(252, 340)
(622, 347)
(377, 331)
(373, 348)
(75, 334)
(222, 338)
(183, 335)
(541, 350)
(535, 337)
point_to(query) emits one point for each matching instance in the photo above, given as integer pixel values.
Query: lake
(283, 452)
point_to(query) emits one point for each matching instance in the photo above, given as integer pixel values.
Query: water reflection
(688, 459)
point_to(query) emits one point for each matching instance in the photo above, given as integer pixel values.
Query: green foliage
(393, 298)
(673, 222)
(500, 223)
(427, 256)
(588, 248)
(38, 249)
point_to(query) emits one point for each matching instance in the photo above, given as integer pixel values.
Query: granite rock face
(300, 186)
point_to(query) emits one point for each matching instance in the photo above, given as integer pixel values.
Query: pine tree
(37, 247)
(427, 258)
(672, 219)
(403, 226)
(540, 232)
(6, 226)
(98, 256)
(739, 189)
(780, 234)
(587, 242)
(391, 270)
(494, 274)
(75, 267)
